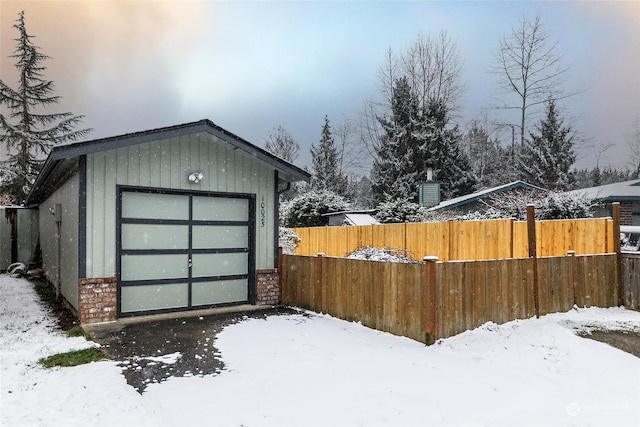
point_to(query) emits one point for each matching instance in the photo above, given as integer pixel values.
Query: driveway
(154, 350)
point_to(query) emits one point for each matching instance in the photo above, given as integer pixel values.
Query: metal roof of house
(63, 159)
(470, 198)
(616, 192)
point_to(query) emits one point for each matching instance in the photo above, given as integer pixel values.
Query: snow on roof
(627, 190)
(360, 219)
(468, 198)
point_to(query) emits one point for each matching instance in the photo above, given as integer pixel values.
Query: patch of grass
(74, 358)
(77, 331)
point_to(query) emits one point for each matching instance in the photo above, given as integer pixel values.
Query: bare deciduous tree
(281, 143)
(529, 70)
(432, 67)
(634, 151)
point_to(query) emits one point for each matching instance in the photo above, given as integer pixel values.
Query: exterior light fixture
(196, 177)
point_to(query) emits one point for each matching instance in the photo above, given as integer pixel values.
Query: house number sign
(263, 212)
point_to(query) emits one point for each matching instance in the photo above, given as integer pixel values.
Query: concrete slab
(140, 343)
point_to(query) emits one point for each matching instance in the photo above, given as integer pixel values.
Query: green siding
(67, 196)
(167, 164)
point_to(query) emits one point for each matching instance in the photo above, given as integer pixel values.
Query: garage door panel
(224, 264)
(154, 297)
(155, 206)
(183, 250)
(155, 236)
(219, 292)
(220, 209)
(216, 236)
(151, 267)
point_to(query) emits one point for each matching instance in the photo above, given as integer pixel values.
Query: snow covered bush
(549, 205)
(565, 206)
(382, 254)
(307, 210)
(399, 210)
(288, 240)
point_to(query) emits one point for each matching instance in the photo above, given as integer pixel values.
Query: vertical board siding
(67, 197)
(167, 164)
(393, 297)
(468, 240)
(631, 280)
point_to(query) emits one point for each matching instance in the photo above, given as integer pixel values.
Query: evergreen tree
(324, 158)
(548, 154)
(27, 131)
(414, 139)
(452, 167)
(489, 160)
(394, 174)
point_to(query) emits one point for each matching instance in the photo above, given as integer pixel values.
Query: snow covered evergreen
(547, 155)
(306, 210)
(28, 132)
(325, 168)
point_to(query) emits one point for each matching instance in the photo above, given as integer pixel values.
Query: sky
(249, 67)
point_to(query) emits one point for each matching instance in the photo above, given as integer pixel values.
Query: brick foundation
(97, 300)
(626, 213)
(267, 287)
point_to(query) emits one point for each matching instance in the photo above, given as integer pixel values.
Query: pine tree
(324, 158)
(548, 155)
(452, 167)
(27, 131)
(489, 160)
(394, 174)
(415, 139)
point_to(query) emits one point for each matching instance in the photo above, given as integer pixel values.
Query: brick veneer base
(97, 300)
(267, 287)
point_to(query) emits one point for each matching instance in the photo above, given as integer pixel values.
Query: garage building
(172, 219)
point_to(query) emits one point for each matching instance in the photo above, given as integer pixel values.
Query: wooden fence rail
(429, 301)
(468, 240)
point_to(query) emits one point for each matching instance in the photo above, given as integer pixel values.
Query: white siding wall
(167, 164)
(67, 196)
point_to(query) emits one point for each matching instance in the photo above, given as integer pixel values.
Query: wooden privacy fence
(436, 300)
(468, 240)
(631, 280)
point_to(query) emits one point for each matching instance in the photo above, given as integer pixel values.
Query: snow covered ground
(314, 370)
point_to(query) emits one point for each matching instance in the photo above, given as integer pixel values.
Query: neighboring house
(627, 193)
(171, 219)
(352, 218)
(473, 202)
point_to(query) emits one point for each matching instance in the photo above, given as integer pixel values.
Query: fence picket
(469, 240)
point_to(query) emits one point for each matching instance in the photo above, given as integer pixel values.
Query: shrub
(400, 210)
(307, 210)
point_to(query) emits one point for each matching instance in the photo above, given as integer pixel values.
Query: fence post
(531, 234)
(615, 207)
(280, 273)
(572, 275)
(319, 283)
(429, 306)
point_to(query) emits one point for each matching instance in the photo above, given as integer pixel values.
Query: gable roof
(616, 192)
(470, 198)
(63, 158)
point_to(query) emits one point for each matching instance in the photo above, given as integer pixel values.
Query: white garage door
(181, 251)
